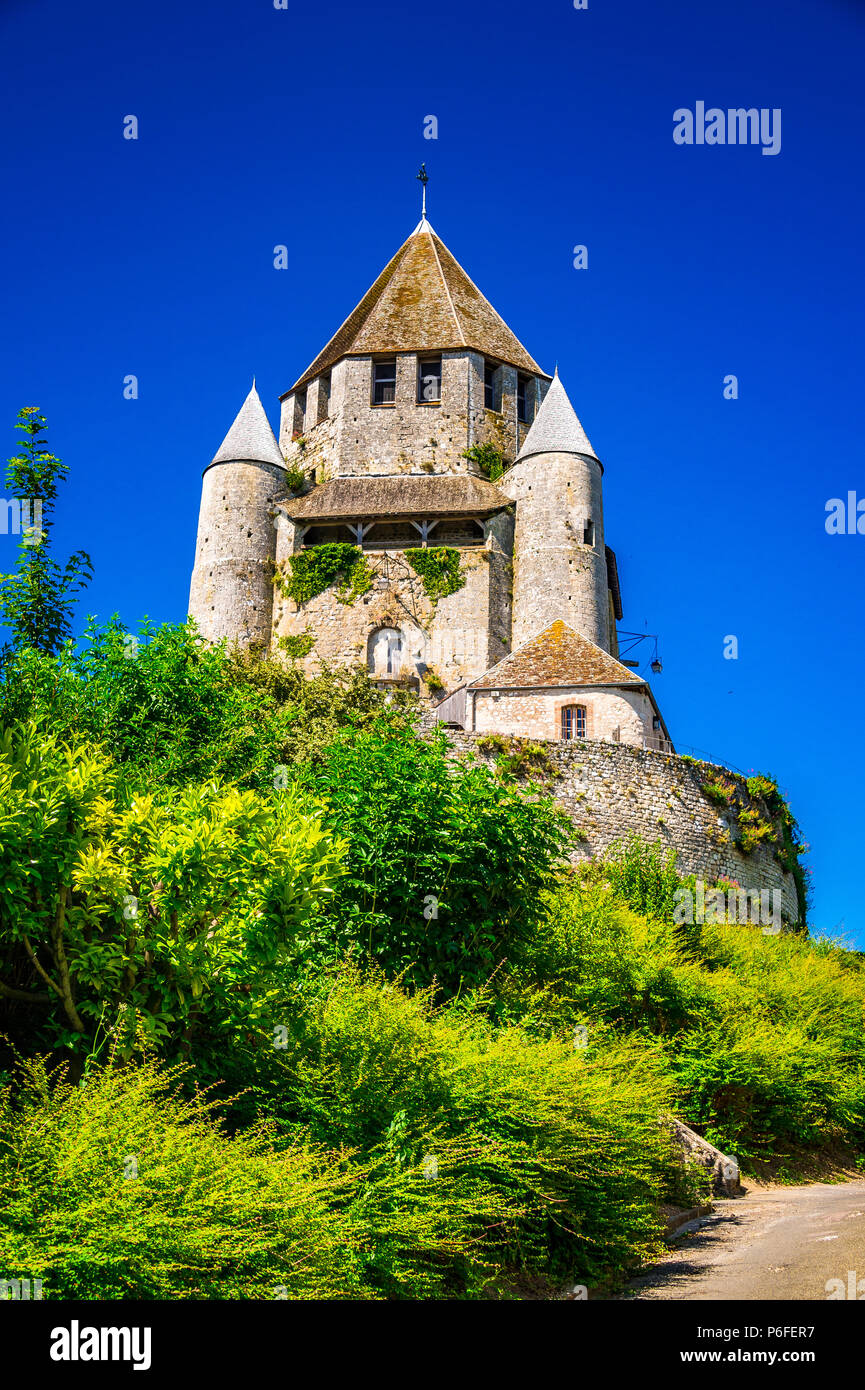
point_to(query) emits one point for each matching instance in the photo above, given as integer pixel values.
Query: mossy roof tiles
(426, 495)
(423, 301)
(557, 656)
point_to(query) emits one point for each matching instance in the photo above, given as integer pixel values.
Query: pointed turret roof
(557, 656)
(556, 428)
(423, 301)
(250, 437)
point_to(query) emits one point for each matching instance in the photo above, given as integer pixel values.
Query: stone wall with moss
(720, 825)
(456, 634)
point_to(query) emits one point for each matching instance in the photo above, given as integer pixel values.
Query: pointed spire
(556, 428)
(423, 301)
(250, 438)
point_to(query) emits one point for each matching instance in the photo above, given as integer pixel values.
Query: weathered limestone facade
(611, 790)
(370, 475)
(231, 594)
(560, 566)
(622, 716)
(355, 437)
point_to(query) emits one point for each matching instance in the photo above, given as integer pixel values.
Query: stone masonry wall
(459, 637)
(556, 573)
(356, 438)
(611, 789)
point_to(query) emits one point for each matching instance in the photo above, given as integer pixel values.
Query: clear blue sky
(304, 127)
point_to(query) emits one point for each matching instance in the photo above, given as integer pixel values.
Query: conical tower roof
(556, 428)
(423, 301)
(250, 437)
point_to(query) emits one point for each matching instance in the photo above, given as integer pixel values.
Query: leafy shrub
(444, 862)
(563, 1145)
(123, 1189)
(172, 709)
(644, 875)
(114, 901)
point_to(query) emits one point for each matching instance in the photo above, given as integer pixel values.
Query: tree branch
(25, 996)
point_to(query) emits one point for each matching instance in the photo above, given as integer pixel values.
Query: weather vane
(424, 178)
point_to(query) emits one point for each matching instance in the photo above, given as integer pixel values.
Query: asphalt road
(779, 1244)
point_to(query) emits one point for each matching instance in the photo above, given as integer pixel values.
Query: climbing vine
(356, 581)
(487, 458)
(297, 645)
(439, 570)
(314, 570)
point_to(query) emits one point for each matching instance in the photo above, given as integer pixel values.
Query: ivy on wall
(297, 645)
(438, 568)
(314, 570)
(487, 458)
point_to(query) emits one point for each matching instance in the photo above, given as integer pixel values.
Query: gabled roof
(556, 428)
(558, 656)
(250, 437)
(400, 495)
(423, 301)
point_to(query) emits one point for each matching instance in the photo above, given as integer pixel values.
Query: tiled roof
(558, 656)
(250, 437)
(556, 428)
(423, 301)
(457, 494)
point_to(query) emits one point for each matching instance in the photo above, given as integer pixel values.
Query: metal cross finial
(424, 178)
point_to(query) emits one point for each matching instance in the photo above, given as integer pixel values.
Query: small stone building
(434, 511)
(559, 686)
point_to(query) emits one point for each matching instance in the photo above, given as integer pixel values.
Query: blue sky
(304, 127)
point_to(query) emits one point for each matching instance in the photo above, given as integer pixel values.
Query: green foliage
(122, 1189)
(425, 832)
(764, 1036)
(36, 602)
(314, 570)
(487, 458)
(563, 1145)
(754, 829)
(295, 479)
(357, 580)
(174, 709)
(121, 903)
(297, 645)
(644, 876)
(719, 790)
(439, 570)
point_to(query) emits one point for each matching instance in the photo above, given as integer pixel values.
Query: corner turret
(560, 561)
(232, 591)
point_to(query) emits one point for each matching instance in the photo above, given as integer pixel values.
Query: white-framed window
(574, 721)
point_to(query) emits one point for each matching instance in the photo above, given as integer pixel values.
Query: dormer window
(429, 381)
(523, 394)
(491, 394)
(384, 381)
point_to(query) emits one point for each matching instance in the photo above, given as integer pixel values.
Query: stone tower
(560, 560)
(232, 582)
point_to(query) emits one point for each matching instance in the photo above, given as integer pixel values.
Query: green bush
(563, 1145)
(124, 1189)
(114, 901)
(173, 709)
(444, 862)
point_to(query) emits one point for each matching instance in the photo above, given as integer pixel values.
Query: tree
(36, 601)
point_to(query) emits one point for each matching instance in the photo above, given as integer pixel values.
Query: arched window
(384, 653)
(574, 721)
